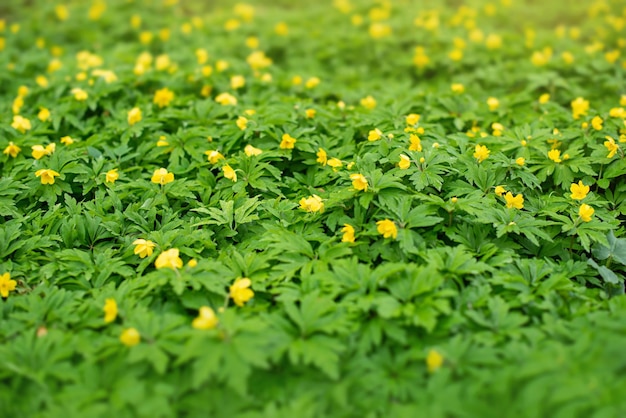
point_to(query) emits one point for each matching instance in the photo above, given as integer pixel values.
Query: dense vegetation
(346, 208)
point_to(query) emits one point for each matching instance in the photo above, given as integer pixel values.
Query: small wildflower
(580, 107)
(516, 202)
(237, 82)
(544, 98)
(169, 259)
(12, 150)
(368, 102)
(412, 119)
(67, 140)
(322, 157)
(240, 291)
(47, 175)
(229, 173)
(6, 284)
(387, 228)
(481, 153)
(163, 97)
(579, 191)
(312, 203)
(162, 142)
(596, 123)
(312, 83)
(457, 88)
(79, 94)
(110, 310)
(310, 113)
(585, 212)
(434, 360)
(242, 123)
(134, 116)
(500, 190)
(374, 135)
(555, 155)
(348, 233)
(359, 182)
(226, 99)
(493, 103)
(162, 176)
(611, 146)
(143, 248)
(252, 151)
(288, 142)
(192, 263)
(43, 115)
(415, 144)
(405, 162)
(130, 337)
(213, 156)
(206, 319)
(111, 176)
(520, 161)
(21, 124)
(335, 163)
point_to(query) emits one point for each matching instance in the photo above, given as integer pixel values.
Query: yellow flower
(585, 212)
(242, 123)
(39, 151)
(226, 99)
(596, 123)
(368, 102)
(162, 142)
(555, 155)
(310, 113)
(130, 337)
(169, 259)
(67, 140)
(481, 153)
(143, 248)
(359, 182)
(493, 103)
(412, 119)
(79, 94)
(237, 82)
(312, 203)
(322, 157)
(544, 98)
(258, 60)
(516, 202)
(288, 142)
(110, 310)
(12, 150)
(162, 62)
(374, 135)
(520, 161)
(21, 124)
(112, 176)
(17, 104)
(162, 176)
(47, 175)
(43, 115)
(580, 107)
(617, 112)
(240, 291)
(213, 156)
(250, 151)
(62, 12)
(379, 30)
(405, 162)
(281, 29)
(6, 284)
(434, 360)
(611, 146)
(192, 263)
(221, 66)
(500, 190)
(387, 228)
(206, 319)
(335, 163)
(457, 88)
(312, 82)
(134, 116)
(415, 143)
(348, 233)
(163, 97)
(579, 191)
(229, 173)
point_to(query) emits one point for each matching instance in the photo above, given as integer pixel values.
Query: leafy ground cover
(300, 209)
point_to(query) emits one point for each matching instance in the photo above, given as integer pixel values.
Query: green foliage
(395, 267)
